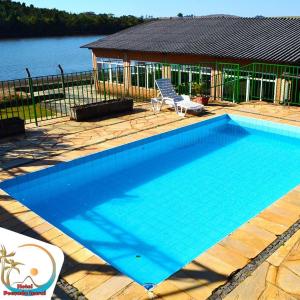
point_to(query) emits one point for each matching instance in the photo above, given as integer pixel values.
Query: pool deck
(278, 277)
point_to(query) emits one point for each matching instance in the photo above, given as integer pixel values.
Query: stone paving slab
(62, 140)
(277, 278)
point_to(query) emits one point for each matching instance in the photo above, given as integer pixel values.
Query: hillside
(19, 20)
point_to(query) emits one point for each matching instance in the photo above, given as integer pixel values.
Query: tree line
(19, 20)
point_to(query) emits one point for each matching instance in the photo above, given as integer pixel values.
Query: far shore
(50, 36)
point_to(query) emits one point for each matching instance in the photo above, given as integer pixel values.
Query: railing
(41, 98)
(274, 83)
(35, 99)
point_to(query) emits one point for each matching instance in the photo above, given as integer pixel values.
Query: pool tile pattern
(62, 140)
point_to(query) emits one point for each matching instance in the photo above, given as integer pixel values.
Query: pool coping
(242, 274)
(223, 260)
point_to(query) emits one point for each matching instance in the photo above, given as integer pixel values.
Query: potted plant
(201, 92)
(205, 93)
(196, 92)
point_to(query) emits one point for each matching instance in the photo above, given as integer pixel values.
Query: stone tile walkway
(61, 140)
(68, 139)
(277, 278)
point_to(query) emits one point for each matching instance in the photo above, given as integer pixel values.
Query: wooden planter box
(101, 109)
(11, 126)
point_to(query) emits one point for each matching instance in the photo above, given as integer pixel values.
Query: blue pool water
(150, 207)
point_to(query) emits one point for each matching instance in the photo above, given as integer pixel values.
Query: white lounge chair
(168, 95)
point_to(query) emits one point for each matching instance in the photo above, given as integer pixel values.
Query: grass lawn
(26, 112)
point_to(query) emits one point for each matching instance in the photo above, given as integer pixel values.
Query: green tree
(19, 20)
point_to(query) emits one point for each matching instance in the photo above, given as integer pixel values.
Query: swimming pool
(150, 207)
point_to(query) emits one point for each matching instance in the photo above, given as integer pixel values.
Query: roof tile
(261, 39)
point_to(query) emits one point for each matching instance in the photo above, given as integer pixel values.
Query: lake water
(42, 55)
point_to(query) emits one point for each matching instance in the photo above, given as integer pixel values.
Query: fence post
(31, 91)
(62, 80)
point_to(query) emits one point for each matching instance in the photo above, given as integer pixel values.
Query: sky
(167, 8)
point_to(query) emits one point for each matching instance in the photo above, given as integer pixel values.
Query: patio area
(235, 268)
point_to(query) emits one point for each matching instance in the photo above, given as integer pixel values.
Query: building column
(278, 96)
(127, 75)
(216, 84)
(248, 83)
(282, 92)
(95, 71)
(166, 71)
